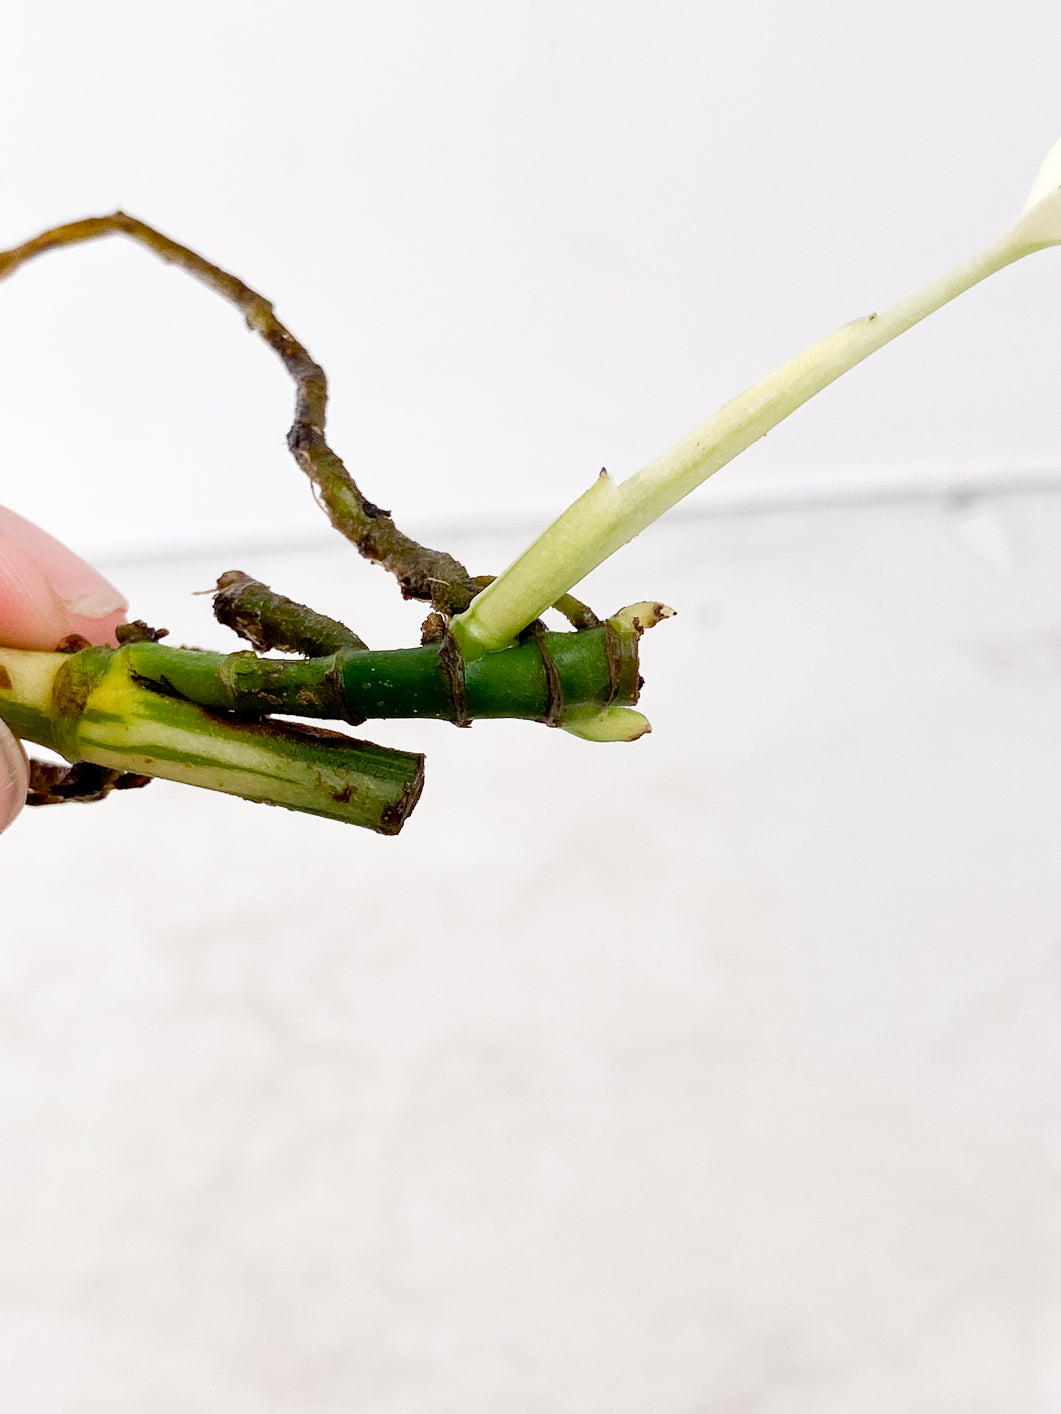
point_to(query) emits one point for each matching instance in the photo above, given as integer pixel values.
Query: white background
(712, 1074)
(526, 241)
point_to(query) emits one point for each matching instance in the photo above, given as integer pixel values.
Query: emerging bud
(1039, 223)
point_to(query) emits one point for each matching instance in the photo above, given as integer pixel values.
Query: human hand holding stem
(485, 652)
(210, 719)
(47, 594)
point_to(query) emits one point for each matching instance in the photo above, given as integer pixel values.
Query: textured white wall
(717, 1072)
(526, 241)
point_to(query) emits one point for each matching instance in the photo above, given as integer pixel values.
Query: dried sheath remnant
(52, 784)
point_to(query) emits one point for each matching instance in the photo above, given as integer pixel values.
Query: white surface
(525, 241)
(714, 1073)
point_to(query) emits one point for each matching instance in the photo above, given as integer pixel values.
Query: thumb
(14, 777)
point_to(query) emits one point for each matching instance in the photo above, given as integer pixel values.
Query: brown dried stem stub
(421, 573)
(272, 621)
(138, 632)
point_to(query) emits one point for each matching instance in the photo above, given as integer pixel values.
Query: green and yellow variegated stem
(88, 706)
(611, 513)
(205, 718)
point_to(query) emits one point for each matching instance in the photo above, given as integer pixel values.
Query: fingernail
(79, 588)
(99, 600)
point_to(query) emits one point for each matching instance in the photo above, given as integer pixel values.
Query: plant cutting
(123, 715)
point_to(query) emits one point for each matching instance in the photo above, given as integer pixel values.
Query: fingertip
(47, 592)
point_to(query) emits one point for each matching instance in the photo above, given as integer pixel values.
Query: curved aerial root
(421, 573)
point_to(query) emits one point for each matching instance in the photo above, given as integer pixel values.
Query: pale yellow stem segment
(611, 513)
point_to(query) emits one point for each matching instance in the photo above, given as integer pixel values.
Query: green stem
(546, 678)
